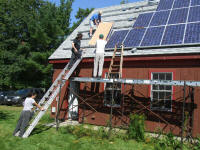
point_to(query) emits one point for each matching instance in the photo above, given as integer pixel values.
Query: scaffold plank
(139, 81)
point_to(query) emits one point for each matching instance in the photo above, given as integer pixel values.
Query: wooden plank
(103, 28)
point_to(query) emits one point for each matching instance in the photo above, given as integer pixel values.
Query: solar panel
(160, 18)
(194, 14)
(134, 37)
(181, 3)
(153, 36)
(173, 34)
(165, 5)
(116, 38)
(174, 22)
(192, 34)
(178, 16)
(195, 2)
(143, 20)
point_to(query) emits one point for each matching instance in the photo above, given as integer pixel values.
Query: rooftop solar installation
(178, 16)
(181, 3)
(175, 22)
(194, 14)
(173, 34)
(153, 36)
(143, 20)
(116, 38)
(195, 2)
(192, 34)
(160, 18)
(134, 37)
(165, 5)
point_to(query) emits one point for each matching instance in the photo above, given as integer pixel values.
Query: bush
(168, 142)
(102, 133)
(197, 144)
(79, 131)
(136, 128)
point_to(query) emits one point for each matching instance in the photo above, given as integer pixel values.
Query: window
(112, 91)
(161, 95)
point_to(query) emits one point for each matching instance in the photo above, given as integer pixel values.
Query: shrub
(102, 133)
(197, 144)
(136, 128)
(168, 142)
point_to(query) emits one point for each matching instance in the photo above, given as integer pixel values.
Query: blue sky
(91, 4)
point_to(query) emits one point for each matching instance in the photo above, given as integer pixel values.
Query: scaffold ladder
(50, 95)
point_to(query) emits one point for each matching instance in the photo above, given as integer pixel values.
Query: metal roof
(123, 17)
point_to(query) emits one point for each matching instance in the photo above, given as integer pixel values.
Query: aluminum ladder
(50, 95)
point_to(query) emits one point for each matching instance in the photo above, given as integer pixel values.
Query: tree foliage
(124, 2)
(80, 16)
(29, 32)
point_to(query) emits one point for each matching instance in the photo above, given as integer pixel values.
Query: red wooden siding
(184, 67)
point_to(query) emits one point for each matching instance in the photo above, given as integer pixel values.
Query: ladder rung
(115, 65)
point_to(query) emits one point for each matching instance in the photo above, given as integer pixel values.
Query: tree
(124, 2)
(80, 16)
(29, 32)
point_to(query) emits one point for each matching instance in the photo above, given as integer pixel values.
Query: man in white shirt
(99, 58)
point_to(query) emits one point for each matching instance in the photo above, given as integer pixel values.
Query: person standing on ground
(76, 50)
(26, 114)
(99, 57)
(95, 20)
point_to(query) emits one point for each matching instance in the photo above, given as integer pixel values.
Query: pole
(58, 107)
(183, 116)
(111, 110)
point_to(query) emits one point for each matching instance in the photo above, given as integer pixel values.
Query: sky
(90, 4)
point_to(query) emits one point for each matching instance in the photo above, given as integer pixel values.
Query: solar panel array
(174, 22)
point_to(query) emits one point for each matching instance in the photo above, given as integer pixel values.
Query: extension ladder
(51, 94)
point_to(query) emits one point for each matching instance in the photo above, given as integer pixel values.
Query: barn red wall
(183, 67)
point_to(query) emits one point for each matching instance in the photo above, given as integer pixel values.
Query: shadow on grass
(5, 115)
(40, 128)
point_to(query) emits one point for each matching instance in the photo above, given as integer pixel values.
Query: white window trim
(151, 96)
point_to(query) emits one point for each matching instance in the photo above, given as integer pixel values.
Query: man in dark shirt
(76, 50)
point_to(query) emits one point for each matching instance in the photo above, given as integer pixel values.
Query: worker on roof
(95, 20)
(99, 57)
(76, 50)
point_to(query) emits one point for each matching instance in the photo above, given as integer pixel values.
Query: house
(162, 105)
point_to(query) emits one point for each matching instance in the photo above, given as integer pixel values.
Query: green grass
(45, 138)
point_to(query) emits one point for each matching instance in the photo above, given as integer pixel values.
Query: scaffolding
(185, 115)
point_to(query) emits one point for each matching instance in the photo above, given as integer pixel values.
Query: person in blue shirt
(95, 20)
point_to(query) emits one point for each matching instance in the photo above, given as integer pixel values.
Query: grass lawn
(45, 138)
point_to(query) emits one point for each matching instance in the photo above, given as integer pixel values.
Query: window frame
(164, 90)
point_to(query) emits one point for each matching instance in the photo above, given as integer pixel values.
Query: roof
(123, 17)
